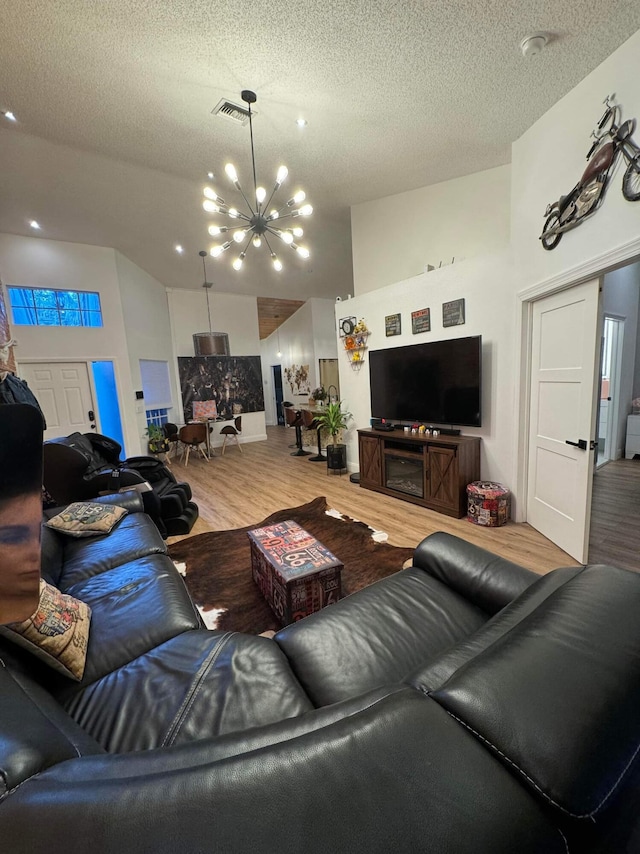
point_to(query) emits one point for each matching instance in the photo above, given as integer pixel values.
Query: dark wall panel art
(233, 382)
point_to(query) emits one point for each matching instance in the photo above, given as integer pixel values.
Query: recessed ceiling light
(179, 249)
(9, 115)
(210, 176)
(302, 123)
(34, 224)
(533, 44)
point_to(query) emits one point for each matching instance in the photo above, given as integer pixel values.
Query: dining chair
(193, 436)
(232, 431)
(172, 436)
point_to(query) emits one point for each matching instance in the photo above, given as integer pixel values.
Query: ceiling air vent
(233, 112)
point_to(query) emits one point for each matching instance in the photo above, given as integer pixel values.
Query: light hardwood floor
(613, 536)
(240, 489)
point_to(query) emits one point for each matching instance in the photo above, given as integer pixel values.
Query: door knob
(582, 444)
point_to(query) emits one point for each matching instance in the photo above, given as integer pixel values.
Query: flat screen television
(438, 382)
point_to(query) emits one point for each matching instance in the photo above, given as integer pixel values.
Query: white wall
(324, 332)
(235, 314)
(147, 330)
(396, 237)
(486, 284)
(621, 295)
(549, 159)
(37, 262)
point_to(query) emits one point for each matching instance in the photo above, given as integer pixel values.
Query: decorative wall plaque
(421, 321)
(392, 325)
(453, 313)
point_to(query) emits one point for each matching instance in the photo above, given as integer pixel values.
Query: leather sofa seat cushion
(136, 536)
(399, 776)
(378, 636)
(148, 594)
(198, 685)
(561, 691)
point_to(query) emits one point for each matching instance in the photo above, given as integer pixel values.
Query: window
(48, 307)
(156, 388)
(157, 416)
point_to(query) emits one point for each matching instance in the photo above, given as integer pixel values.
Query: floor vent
(233, 112)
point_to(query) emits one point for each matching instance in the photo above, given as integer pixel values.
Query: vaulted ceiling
(115, 135)
(272, 313)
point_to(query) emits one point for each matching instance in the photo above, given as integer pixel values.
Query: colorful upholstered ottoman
(295, 573)
(488, 503)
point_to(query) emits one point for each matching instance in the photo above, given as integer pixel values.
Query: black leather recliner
(81, 466)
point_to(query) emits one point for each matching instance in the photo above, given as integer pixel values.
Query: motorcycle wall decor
(611, 141)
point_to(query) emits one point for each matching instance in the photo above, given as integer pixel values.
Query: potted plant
(158, 443)
(319, 395)
(333, 419)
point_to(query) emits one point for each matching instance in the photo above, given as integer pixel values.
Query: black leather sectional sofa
(463, 705)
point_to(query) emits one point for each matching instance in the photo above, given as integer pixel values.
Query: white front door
(564, 367)
(64, 394)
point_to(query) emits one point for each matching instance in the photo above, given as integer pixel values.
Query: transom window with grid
(49, 307)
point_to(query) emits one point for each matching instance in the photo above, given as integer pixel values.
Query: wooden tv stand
(432, 471)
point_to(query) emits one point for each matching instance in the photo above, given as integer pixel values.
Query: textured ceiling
(115, 132)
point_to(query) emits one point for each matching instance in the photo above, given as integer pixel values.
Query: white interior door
(64, 393)
(612, 364)
(564, 368)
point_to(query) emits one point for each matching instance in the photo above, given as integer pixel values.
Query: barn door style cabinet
(432, 471)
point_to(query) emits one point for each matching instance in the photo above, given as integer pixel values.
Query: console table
(432, 471)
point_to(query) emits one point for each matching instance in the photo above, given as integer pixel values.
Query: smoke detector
(531, 45)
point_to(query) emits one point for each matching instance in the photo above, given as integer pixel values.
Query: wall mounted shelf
(355, 346)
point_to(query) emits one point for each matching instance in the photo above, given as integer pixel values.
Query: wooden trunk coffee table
(295, 573)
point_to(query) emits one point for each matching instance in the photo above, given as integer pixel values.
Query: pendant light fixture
(259, 224)
(209, 343)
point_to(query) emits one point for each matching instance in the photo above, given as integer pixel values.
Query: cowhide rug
(217, 565)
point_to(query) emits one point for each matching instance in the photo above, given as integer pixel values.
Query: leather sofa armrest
(485, 579)
(131, 500)
(375, 781)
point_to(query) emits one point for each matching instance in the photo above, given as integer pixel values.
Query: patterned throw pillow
(87, 519)
(57, 633)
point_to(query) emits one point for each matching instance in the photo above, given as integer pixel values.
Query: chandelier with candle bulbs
(262, 223)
